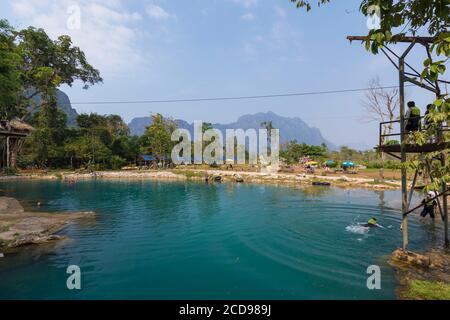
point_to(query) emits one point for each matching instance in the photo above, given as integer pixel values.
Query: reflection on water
(160, 240)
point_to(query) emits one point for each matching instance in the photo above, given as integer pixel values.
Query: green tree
(47, 64)
(96, 133)
(293, 151)
(45, 146)
(9, 75)
(157, 138)
(33, 65)
(206, 126)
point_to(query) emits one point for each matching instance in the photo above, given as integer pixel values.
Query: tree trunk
(7, 152)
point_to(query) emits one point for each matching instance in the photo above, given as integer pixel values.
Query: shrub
(117, 162)
(10, 171)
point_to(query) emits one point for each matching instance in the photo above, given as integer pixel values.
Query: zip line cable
(235, 98)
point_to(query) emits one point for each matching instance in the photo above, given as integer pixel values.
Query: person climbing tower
(429, 205)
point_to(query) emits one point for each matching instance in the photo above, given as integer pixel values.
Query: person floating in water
(429, 205)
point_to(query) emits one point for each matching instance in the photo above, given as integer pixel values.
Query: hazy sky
(176, 49)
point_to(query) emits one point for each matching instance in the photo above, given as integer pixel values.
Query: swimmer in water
(372, 223)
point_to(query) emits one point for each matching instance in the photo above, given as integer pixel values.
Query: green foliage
(32, 64)
(307, 4)
(9, 75)
(206, 126)
(293, 151)
(392, 142)
(388, 164)
(99, 142)
(427, 290)
(9, 171)
(117, 162)
(157, 138)
(45, 145)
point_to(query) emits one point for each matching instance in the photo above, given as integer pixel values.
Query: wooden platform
(414, 148)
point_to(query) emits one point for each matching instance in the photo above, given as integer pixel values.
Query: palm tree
(268, 125)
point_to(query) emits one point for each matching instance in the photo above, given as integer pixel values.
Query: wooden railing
(422, 128)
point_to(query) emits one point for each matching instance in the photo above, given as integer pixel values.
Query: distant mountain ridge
(290, 128)
(63, 103)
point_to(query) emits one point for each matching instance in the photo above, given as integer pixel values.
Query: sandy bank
(19, 228)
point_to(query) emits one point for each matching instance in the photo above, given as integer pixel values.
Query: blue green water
(160, 240)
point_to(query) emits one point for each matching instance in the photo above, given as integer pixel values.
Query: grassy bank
(422, 276)
(426, 290)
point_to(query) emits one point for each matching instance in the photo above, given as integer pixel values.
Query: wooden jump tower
(401, 149)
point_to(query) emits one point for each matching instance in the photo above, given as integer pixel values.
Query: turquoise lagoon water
(162, 240)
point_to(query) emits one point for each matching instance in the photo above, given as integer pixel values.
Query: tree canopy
(33, 64)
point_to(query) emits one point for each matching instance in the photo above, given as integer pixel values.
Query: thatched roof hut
(15, 127)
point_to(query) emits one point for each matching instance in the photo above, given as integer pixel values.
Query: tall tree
(157, 138)
(47, 64)
(381, 105)
(9, 74)
(34, 65)
(96, 132)
(45, 146)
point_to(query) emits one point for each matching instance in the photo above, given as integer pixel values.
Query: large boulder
(10, 206)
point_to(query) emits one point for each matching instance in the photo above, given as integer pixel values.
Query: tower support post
(403, 153)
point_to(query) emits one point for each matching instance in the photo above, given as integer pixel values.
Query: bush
(214, 165)
(392, 142)
(427, 290)
(10, 171)
(117, 162)
(389, 164)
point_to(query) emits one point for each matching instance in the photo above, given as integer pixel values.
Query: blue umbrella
(348, 164)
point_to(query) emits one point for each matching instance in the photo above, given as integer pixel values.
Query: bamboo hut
(12, 135)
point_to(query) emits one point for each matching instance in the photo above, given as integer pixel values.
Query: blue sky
(176, 49)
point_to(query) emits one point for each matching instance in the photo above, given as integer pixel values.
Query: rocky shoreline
(285, 179)
(19, 227)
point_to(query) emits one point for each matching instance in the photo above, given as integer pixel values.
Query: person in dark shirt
(429, 206)
(412, 117)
